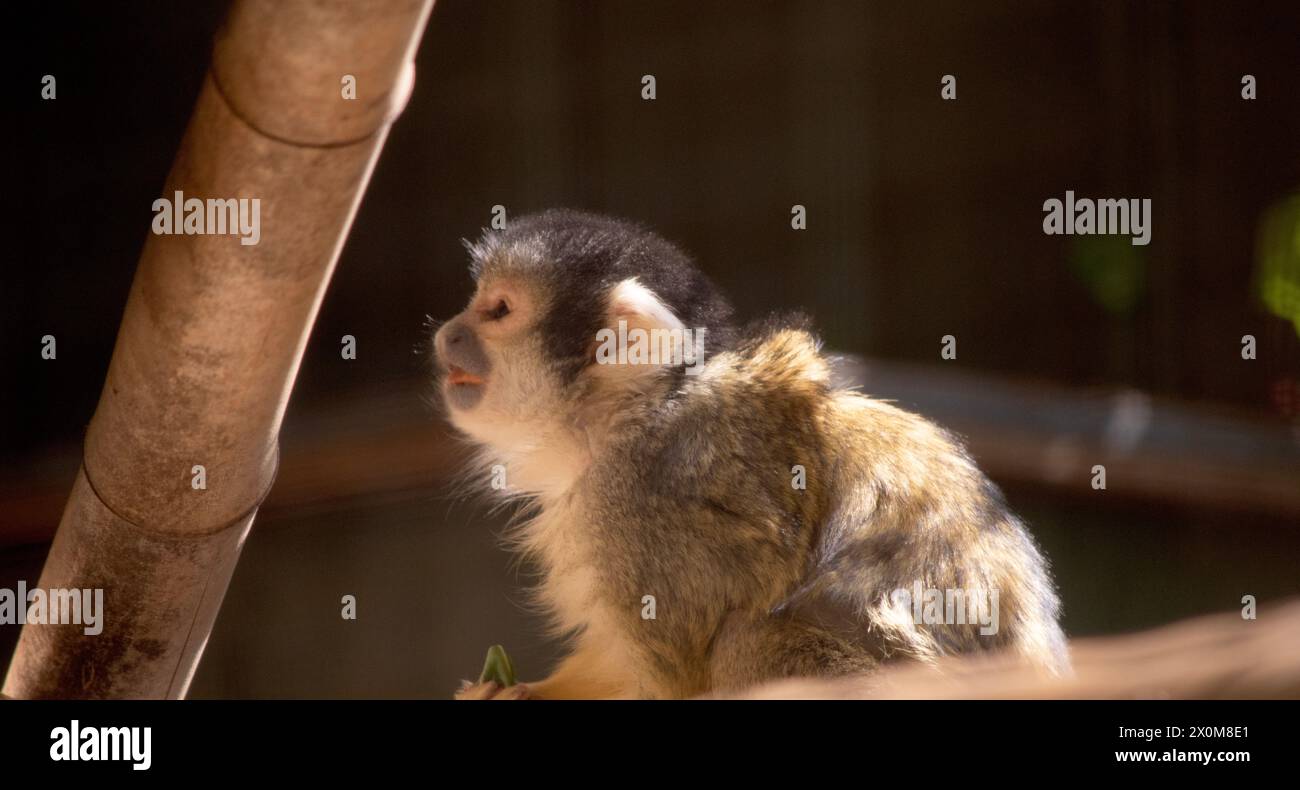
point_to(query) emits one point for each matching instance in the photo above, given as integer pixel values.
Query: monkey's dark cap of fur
(577, 254)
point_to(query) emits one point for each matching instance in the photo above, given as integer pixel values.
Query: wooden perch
(1214, 657)
(211, 340)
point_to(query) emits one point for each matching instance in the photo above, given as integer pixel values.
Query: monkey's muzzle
(461, 355)
(463, 389)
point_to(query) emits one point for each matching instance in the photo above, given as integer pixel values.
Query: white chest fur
(559, 538)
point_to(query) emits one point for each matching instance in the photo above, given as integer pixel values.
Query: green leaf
(497, 667)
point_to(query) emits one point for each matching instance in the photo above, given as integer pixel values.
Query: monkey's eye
(497, 313)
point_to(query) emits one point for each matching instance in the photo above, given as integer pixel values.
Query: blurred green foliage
(1113, 270)
(1278, 260)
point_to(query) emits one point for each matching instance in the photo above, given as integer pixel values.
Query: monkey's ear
(638, 305)
(620, 352)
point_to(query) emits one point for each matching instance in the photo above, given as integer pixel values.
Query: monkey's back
(758, 489)
(911, 512)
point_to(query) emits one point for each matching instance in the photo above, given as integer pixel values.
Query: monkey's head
(522, 366)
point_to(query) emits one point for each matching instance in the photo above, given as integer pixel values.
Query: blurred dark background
(924, 220)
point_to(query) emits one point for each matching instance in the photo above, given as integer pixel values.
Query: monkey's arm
(585, 674)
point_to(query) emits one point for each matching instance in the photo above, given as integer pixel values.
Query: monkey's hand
(490, 689)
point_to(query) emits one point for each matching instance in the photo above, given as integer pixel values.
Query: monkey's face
(534, 366)
(493, 364)
(520, 368)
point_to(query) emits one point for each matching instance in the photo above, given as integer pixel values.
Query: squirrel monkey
(707, 521)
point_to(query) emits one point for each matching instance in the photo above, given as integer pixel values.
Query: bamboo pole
(211, 340)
